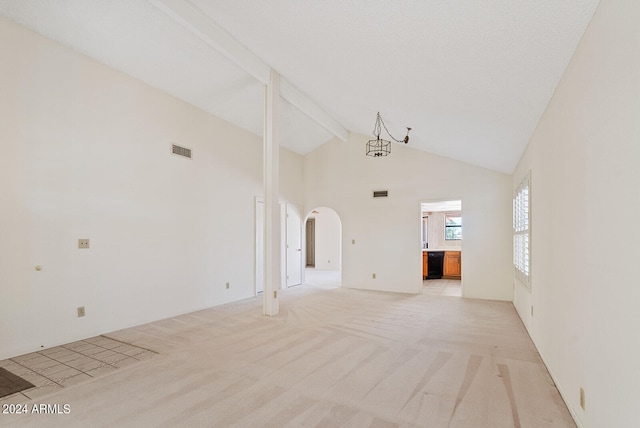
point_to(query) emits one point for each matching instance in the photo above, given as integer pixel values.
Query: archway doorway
(323, 248)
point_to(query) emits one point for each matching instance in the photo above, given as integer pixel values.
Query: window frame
(452, 214)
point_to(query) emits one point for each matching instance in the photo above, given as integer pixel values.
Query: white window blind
(521, 235)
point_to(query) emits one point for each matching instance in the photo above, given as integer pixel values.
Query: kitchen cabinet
(425, 264)
(452, 268)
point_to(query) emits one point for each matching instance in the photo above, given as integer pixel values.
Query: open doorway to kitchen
(323, 248)
(441, 230)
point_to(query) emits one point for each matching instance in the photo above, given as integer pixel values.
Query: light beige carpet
(332, 358)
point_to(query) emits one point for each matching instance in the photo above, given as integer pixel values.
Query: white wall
(387, 231)
(435, 227)
(328, 239)
(86, 154)
(584, 166)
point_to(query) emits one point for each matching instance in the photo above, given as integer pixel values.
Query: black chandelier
(380, 147)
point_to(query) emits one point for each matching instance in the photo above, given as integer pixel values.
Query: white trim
(259, 245)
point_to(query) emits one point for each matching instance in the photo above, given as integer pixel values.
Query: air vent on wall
(380, 193)
(181, 151)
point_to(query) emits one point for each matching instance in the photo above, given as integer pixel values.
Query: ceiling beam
(200, 24)
(194, 20)
(311, 109)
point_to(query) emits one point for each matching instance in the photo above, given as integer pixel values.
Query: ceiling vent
(181, 151)
(380, 193)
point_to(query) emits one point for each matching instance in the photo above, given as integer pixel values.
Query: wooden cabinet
(452, 268)
(425, 264)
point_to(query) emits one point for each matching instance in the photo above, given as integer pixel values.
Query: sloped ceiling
(471, 78)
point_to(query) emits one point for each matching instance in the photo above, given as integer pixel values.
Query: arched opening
(323, 248)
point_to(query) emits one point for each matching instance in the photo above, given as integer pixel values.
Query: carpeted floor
(332, 358)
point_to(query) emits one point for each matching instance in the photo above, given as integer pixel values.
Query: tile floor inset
(442, 287)
(53, 369)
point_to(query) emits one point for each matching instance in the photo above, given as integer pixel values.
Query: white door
(259, 246)
(294, 246)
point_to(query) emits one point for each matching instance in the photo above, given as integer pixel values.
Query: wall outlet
(80, 311)
(227, 285)
(353, 242)
(83, 243)
(582, 398)
(373, 276)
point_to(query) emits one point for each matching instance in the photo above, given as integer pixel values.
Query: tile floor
(53, 369)
(443, 287)
(326, 279)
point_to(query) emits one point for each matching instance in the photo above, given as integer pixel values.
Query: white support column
(271, 167)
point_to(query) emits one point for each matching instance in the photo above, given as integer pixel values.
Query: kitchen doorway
(441, 233)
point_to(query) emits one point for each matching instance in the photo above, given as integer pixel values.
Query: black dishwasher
(435, 259)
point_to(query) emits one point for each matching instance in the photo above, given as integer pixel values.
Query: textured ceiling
(471, 78)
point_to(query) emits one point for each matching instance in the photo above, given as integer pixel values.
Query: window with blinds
(521, 232)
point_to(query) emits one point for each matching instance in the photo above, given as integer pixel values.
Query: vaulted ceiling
(472, 78)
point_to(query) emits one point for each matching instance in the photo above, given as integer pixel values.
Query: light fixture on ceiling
(380, 147)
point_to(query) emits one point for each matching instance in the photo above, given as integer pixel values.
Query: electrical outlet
(582, 398)
(81, 312)
(373, 276)
(353, 242)
(83, 243)
(227, 285)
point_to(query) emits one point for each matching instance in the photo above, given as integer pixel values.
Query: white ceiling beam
(194, 20)
(311, 109)
(200, 24)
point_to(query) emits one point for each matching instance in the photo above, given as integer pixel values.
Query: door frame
(461, 249)
(259, 249)
(258, 253)
(298, 251)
